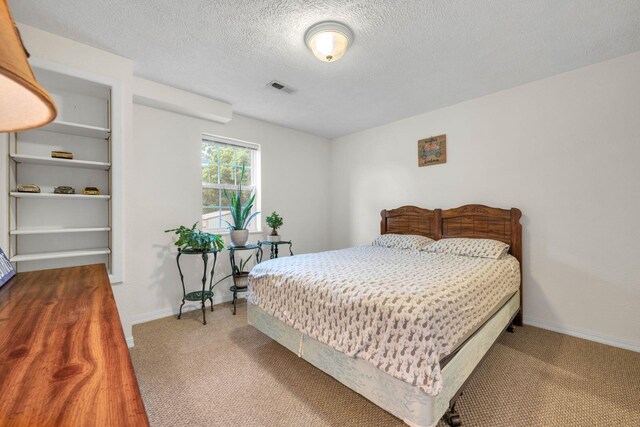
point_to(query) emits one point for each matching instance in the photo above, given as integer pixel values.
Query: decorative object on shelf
(6, 269)
(91, 191)
(63, 189)
(274, 221)
(62, 155)
(192, 239)
(24, 104)
(240, 280)
(432, 150)
(274, 247)
(240, 213)
(329, 40)
(28, 188)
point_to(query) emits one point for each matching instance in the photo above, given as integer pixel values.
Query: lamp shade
(24, 104)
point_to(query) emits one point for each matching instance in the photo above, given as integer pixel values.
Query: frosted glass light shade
(24, 104)
(329, 40)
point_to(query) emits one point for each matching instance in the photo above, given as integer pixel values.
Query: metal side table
(239, 276)
(274, 247)
(205, 294)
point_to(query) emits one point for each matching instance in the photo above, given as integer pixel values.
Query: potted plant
(240, 214)
(274, 221)
(193, 240)
(241, 277)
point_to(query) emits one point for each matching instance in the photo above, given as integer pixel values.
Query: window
(222, 162)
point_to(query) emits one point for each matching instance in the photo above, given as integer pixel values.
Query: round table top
(189, 251)
(279, 242)
(243, 248)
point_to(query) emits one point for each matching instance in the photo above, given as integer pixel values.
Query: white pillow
(403, 241)
(482, 248)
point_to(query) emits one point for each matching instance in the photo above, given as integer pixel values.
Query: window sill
(226, 232)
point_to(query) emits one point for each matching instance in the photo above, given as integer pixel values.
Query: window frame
(255, 178)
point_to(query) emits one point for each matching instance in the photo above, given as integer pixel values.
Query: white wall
(565, 150)
(163, 170)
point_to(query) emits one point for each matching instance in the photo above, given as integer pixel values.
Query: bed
(405, 329)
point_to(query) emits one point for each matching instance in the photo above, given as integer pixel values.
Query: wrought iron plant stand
(205, 294)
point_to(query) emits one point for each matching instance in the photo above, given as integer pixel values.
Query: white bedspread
(402, 311)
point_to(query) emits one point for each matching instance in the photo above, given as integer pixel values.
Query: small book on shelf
(62, 155)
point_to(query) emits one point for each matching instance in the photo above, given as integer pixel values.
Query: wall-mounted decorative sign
(432, 150)
(6, 269)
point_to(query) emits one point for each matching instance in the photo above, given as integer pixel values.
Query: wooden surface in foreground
(63, 355)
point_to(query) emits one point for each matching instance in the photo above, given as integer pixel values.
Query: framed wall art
(432, 150)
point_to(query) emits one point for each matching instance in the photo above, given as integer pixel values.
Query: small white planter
(242, 280)
(239, 237)
(273, 238)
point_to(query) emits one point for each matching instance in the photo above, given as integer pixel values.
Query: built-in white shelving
(50, 161)
(61, 254)
(78, 129)
(19, 195)
(28, 231)
(46, 229)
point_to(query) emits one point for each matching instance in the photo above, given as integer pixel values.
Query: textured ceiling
(408, 57)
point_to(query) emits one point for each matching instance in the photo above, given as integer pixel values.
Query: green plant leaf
(247, 207)
(197, 240)
(274, 220)
(239, 212)
(248, 220)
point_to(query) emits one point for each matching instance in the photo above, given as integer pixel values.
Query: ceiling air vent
(280, 87)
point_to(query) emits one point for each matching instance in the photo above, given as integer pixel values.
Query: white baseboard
(174, 310)
(130, 343)
(579, 333)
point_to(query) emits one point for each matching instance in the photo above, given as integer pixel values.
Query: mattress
(401, 311)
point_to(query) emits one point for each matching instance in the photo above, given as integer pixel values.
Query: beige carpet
(228, 374)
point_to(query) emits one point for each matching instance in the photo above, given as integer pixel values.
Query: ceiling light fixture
(24, 104)
(329, 40)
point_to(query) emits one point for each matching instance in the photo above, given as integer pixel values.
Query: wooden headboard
(473, 221)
